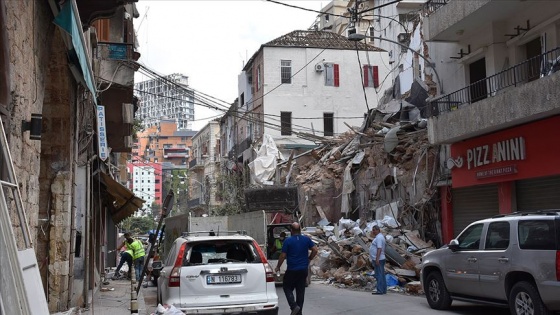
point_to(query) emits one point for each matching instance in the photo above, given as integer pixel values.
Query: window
(328, 124)
(371, 76)
(258, 78)
(102, 27)
(286, 71)
(536, 234)
(470, 238)
(332, 74)
(286, 123)
(497, 236)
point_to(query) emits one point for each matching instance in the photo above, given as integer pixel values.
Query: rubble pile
(343, 257)
(384, 174)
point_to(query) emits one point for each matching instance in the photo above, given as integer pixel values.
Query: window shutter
(336, 77)
(366, 76)
(375, 70)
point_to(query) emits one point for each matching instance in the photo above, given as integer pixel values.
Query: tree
(230, 189)
(139, 225)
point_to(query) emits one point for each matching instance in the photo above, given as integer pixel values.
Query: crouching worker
(126, 256)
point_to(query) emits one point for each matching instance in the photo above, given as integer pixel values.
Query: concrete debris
(344, 260)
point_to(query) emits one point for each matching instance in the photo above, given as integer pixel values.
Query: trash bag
(391, 280)
(390, 222)
(167, 310)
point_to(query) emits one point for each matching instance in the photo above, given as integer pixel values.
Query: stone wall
(29, 25)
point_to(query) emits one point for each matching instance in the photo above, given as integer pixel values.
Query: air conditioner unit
(403, 38)
(319, 67)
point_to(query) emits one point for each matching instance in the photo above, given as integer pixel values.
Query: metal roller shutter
(473, 203)
(538, 193)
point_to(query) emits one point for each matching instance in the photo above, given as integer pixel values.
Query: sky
(211, 40)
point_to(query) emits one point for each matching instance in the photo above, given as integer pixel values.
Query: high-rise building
(168, 98)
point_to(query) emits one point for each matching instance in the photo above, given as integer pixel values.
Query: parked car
(511, 260)
(217, 272)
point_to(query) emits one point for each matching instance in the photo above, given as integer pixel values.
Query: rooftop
(318, 39)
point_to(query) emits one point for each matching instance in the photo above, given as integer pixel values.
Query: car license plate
(223, 279)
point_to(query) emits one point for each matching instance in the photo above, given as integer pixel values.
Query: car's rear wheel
(524, 299)
(436, 292)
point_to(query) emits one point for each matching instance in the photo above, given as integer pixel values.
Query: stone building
(55, 61)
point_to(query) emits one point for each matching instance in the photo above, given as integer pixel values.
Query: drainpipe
(87, 231)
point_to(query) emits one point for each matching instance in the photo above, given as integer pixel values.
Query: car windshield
(221, 251)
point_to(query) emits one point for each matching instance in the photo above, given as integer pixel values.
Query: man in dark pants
(126, 256)
(296, 250)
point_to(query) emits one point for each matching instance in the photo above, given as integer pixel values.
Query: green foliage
(136, 128)
(139, 225)
(230, 186)
(177, 181)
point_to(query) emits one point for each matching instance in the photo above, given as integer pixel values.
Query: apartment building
(164, 142)
(302, 87)
(499, 112)
(167, 97)
(204, 169)
(146, 182)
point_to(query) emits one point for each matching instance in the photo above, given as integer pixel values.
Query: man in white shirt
(377, 256)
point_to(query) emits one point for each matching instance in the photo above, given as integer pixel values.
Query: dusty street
(329, 300)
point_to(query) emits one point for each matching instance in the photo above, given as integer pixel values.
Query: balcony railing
(529, 70)
(432, 6)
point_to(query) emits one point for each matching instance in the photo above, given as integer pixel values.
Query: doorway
(477, 72)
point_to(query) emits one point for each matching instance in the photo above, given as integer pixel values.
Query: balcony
(172, 153)
(196, 163)
(432, 6)
(525, 92)
(91, 10)
(451, 20)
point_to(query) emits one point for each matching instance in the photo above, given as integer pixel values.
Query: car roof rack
(525, 213)
(213, 233)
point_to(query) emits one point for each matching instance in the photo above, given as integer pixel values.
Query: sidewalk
(114, 299)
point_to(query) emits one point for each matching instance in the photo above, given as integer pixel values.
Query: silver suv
(217, 273)
(511, 260)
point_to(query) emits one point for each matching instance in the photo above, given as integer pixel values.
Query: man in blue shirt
(296, 250)
(377, 256)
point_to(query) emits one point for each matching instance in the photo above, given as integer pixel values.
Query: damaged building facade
(498, 109)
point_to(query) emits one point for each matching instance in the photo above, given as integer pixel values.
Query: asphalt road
(324, 299)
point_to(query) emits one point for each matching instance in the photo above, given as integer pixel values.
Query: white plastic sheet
(263, 167)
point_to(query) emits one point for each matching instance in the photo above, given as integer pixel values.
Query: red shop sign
(530, 150)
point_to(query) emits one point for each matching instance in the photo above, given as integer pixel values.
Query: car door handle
(471, 259)
(503, 259)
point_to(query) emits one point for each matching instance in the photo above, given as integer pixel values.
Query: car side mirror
(454, 245)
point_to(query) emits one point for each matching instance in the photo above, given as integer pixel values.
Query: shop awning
(68, 20)
(122, 203)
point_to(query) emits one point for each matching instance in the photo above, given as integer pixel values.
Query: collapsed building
(383, 171)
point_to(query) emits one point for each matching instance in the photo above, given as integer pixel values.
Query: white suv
(217, 273)
(511, 260)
